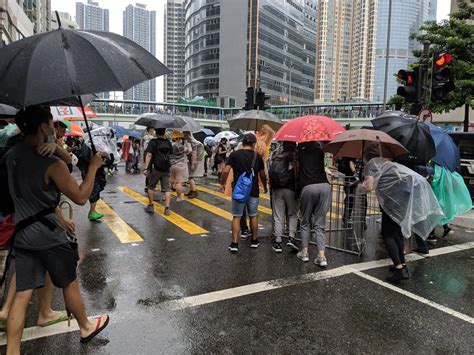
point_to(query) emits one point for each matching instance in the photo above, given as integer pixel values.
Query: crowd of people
(36, 170)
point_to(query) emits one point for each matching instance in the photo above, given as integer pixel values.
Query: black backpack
(161, 154)
(279, 172)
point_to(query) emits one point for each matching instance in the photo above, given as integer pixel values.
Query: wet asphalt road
(136, 283)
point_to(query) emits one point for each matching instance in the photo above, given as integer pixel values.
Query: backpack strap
(253, 161)
(38, 217)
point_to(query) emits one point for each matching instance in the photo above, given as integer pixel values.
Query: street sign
(425, 114)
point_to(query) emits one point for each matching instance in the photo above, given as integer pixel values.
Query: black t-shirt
(160, 149)
(311, 165)
(241, 161)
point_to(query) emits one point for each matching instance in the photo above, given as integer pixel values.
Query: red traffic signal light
(443, 59)
(410, 89)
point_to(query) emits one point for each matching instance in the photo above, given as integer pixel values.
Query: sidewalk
(465, 221)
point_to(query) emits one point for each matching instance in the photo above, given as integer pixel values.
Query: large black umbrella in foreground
(413, 134)
(64, 63)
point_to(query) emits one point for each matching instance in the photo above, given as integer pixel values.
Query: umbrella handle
(94, 151)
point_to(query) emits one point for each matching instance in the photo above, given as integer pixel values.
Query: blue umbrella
(135, 134)
(120, 131)
(447, 153)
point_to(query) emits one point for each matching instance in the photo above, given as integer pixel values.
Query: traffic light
(410, 90)
(260, 99)
(442, 82)
(249, 98)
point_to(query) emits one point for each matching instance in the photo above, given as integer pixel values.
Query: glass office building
(407, 17)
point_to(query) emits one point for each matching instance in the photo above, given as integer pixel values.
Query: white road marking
(415, 297)
(216, 296)
(170, 239)
(96, 249)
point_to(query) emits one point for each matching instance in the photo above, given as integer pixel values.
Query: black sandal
(97, 330)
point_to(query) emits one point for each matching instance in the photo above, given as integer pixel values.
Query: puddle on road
(130, 202)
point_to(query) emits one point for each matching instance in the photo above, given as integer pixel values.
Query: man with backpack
(248, 167)
(283, 186)
(157, 168)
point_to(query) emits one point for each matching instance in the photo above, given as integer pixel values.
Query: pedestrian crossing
(126, 234)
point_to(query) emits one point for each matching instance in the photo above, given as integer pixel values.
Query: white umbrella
(225, 134)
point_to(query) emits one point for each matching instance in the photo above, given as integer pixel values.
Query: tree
(455, 36)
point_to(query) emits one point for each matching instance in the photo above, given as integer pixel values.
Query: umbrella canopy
(209, 141)
(447, 152)
(64, 63)
(7, 111)
(120, 131)
(191, 125)
(253, 120)
(309, 129)
(413, 134)
(157, 121)
(207, 132)
(73, 129)
(351, 144)
(225, 134)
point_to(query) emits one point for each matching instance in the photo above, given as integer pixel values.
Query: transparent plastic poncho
(405, 196)
(105, 141)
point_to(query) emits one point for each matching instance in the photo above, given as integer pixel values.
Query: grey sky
(116, 7)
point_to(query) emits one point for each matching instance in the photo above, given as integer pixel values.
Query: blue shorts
(238, 207)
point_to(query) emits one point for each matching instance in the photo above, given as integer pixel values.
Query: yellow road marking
(174, 218)
(262, 195)
(208, 207)
(117, 225)
(225, 197)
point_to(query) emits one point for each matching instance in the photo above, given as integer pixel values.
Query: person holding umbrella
(41, 244)
(407, 203)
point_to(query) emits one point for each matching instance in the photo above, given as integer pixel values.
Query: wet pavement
(177, 292)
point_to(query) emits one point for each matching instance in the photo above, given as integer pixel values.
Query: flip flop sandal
(97, 330)
(62, 318)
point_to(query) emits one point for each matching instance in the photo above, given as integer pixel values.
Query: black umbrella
(157, 121)
(64, 63)
(413, 134)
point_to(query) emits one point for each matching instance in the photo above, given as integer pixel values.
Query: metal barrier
(351, 217)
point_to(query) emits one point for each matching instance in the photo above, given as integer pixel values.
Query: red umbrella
(309, 129)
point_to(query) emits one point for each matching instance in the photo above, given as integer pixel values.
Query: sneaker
(399, 275)
(149, 209)
(276, 247)
(180, 199)
(292, 243)
(447, 231)
(321, 261)
(167, 211)
(392, 268)
(94, 216)
(432, 239)
(254, 243)
(233, 247)
(421, 252)
(245, 234)
(192, 194)
(302, 256)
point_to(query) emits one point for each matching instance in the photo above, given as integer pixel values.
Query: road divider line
(262, 209)
(117, 225)
(417, 298)
(240, 291)
(179, 221)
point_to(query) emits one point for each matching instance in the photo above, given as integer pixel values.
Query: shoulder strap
(253, 160)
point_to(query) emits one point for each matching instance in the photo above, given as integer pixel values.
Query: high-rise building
(407, 17)
(14, 24)
(91, 17)
(139, 25)
(174, 34)
(39, 12)
(346, 50)
(66, 21)
(261, 43)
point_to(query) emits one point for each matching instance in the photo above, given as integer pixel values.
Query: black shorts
(31, 266)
